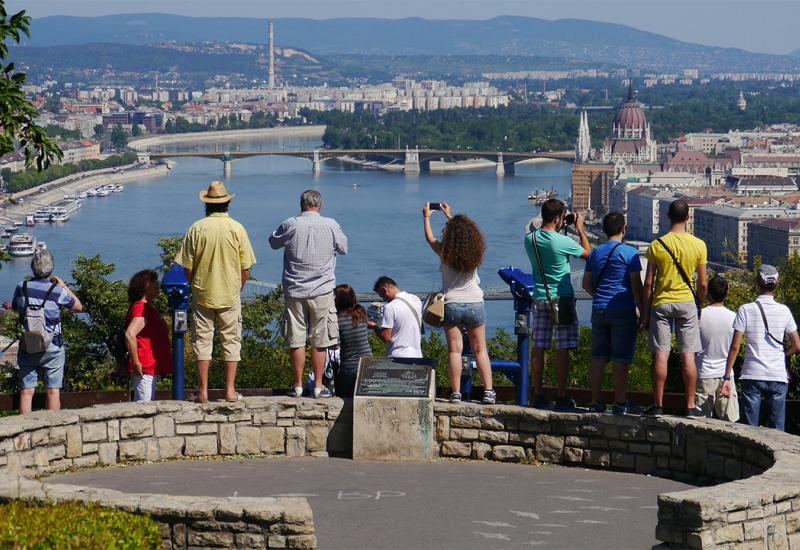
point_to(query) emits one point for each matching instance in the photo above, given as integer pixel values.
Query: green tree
(17, 115)
(119, 138)
(99, 130)
(136, 130)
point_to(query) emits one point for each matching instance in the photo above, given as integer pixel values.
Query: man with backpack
(672, 299)
(765, 324)
(613, 279)
(38, 302)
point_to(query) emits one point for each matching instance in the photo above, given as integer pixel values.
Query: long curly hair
(463, 244)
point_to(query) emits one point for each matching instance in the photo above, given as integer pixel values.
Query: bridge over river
(414, 160)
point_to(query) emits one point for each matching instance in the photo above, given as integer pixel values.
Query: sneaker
(540, 402)
(696, 412)
(322, 393)
(455, 397)
(489, 397)
(564, 403)
(597, 407)
(626, 408)
(295, 392)
(653, 410)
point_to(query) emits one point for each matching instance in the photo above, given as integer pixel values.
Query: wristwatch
(726, 377)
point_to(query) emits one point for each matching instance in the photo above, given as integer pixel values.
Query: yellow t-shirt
(670, 286)
(216, 249)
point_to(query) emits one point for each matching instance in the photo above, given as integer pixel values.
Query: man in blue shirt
(613, 279)
(52, 295)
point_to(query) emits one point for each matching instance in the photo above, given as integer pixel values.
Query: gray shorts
(682, 316)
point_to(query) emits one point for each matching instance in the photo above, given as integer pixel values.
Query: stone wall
(749, 494)
(47, 442)
(752, 475)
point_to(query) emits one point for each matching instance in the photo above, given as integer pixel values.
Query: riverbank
(149, 142)
(72, 185)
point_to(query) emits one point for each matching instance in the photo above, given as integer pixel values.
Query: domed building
(630, 141)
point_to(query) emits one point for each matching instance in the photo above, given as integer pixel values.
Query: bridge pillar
(411, 165)
(500, 168)
(143, 157)
(227, 167)
(316, 163)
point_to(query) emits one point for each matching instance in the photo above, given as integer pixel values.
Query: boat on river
(59, 214)
(42, 214)
(22, 245)
(541, 195)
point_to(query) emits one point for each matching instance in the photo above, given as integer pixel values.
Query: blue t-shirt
(37, 290)
(614, 291)
(555, 250)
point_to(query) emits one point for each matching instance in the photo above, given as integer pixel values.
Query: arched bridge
(414, 160)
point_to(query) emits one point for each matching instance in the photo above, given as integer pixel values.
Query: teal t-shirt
(555, 250)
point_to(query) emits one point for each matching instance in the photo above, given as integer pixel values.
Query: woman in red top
(146, 336)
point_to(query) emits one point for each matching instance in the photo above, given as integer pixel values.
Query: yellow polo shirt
(670, 286)
(216, 249)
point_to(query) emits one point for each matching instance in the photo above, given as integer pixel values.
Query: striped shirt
(310, 244)
(37, 289)
(763, 356)
(353, 342)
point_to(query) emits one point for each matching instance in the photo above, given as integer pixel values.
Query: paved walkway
(446, 504)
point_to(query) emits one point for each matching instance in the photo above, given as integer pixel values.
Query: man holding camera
(554, 313)
(673, 299)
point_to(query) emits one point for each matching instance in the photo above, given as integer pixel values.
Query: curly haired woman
(461, 250)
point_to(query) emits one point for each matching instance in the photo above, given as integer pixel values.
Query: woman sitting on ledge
(353, 341)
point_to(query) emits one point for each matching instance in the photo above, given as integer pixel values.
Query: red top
(152, 343)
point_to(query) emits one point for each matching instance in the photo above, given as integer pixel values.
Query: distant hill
(506, 35)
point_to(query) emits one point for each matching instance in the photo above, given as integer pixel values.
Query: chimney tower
(271, 83)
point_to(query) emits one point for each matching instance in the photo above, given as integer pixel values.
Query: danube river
(381, 217)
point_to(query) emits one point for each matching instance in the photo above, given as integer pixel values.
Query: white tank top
(462, 288)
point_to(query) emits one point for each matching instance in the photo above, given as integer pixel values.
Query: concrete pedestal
(394, 428)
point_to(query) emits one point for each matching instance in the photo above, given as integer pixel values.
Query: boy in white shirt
(716, 334)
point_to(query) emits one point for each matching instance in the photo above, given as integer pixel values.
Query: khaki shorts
(312, 318)
(228, 322)
(683, 315)
(706, 394)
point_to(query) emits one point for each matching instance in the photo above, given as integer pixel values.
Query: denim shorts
(614, 335)
(464, 315)
(51, 362)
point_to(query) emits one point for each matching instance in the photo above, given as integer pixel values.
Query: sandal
(237, 397)
(194, 399)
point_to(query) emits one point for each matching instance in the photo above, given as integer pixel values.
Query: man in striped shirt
(764, 323)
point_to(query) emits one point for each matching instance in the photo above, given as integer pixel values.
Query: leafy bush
(67, 525)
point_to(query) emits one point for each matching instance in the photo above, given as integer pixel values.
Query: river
(382, 217)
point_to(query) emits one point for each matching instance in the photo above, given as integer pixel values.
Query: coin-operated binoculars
(176, 286)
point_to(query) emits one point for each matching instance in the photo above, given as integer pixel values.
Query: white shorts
(144, 387)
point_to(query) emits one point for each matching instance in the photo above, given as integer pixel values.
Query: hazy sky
(755, 25)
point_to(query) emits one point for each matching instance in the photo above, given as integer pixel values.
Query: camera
(435, 206)
(375, 312)
(569, 219)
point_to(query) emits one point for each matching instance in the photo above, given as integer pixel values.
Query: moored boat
(22, 245)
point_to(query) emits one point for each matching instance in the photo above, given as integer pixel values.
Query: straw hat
(216, 193)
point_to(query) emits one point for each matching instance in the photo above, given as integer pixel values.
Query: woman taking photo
(353, 342)
(460, 251)
(146, 336)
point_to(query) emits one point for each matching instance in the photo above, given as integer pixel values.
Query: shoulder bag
(683, 275)
(562, 310)
(433, 309)
(596, 284)
(781, 343)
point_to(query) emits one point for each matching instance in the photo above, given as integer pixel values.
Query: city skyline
(770, 27)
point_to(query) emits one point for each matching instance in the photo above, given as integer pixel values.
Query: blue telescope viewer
(176, 286)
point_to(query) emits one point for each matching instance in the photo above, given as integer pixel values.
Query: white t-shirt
(763, 356)
(716, 333)
(406, 338)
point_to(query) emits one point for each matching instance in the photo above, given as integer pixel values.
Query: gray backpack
(35, 336)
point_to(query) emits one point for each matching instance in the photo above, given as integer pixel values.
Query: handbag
(727, 408)
(684, 276)
(433, 309)
(562, 310)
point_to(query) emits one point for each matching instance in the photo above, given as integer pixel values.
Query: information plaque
(394, 377)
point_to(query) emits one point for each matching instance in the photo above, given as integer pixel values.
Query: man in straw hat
(310, 243)
(217, 256)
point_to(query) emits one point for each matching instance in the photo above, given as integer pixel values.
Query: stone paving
(446, 504)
